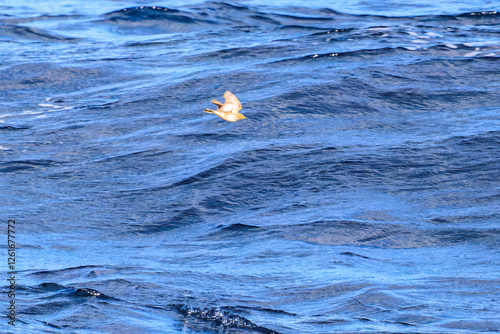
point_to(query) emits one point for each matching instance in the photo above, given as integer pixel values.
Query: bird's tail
(210, 111)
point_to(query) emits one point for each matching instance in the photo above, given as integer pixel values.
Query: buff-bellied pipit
(229, 110)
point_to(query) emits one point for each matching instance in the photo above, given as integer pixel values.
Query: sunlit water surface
(360, 195)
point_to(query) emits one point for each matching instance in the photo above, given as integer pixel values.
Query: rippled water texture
(361, 195)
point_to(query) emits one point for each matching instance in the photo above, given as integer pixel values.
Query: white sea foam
(419, 41)
(472, 54)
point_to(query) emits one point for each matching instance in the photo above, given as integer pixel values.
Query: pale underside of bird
(229, 110)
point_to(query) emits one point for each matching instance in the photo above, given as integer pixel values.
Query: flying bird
(229, 110)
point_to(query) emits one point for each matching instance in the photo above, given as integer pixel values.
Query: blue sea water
(361, 195)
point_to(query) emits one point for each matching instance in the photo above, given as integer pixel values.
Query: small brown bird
(229, 111)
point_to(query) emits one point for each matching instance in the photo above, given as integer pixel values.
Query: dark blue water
(361, 195)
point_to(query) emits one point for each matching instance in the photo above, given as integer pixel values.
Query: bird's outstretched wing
(232, 99)
(217, 103)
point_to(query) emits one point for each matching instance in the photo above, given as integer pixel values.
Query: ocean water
(361, 195)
